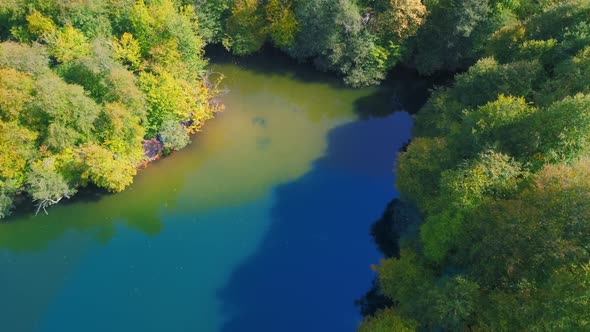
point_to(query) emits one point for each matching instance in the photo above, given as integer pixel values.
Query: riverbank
(263, 184)
(80, 98)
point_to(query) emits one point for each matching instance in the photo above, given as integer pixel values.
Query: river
(261, 224)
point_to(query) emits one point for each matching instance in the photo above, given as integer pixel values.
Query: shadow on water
(314, 260)
(403, 90)
(25, 206)
(92, 210)
(272, 61)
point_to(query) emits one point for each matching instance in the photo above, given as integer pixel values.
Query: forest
(83, 83)
(492, 228)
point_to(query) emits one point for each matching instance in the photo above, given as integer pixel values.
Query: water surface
(261, 224)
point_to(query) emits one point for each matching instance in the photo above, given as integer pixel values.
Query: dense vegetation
(497, 180)
(83, 83)
(360, 40)
(363, 39)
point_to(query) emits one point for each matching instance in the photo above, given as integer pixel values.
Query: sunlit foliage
(282, 25)
(245, 27)
(82, 83)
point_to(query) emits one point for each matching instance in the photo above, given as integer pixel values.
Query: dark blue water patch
(315, 259)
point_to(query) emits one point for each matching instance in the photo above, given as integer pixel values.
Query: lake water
(261, 224)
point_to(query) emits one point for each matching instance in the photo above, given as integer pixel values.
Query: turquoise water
(262, 224)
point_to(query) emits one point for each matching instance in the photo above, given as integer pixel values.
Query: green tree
(174, 135)
(387, 320)
(504, 124)
(67, 44)
(62, 113)
(168, 98)
(334, 35)
(399, 20)
(462, 189)
(281, 23)
(128, 51)
(7, 192)
(487, 79)
(419, 168)
(40, 25)
(212, 15)
(46, 186)
(564, 129)
(571, 77)
(457, 303)
(120, 131)
(24, 58)
(544, 228)
(17, 148)
(245, 27)
(315, 18)
(168, 36)
(104, 168)
(16, 91)
(455, 32)
(407, 280)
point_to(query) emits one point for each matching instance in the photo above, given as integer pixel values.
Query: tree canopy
(499, 171)
(83, 83)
